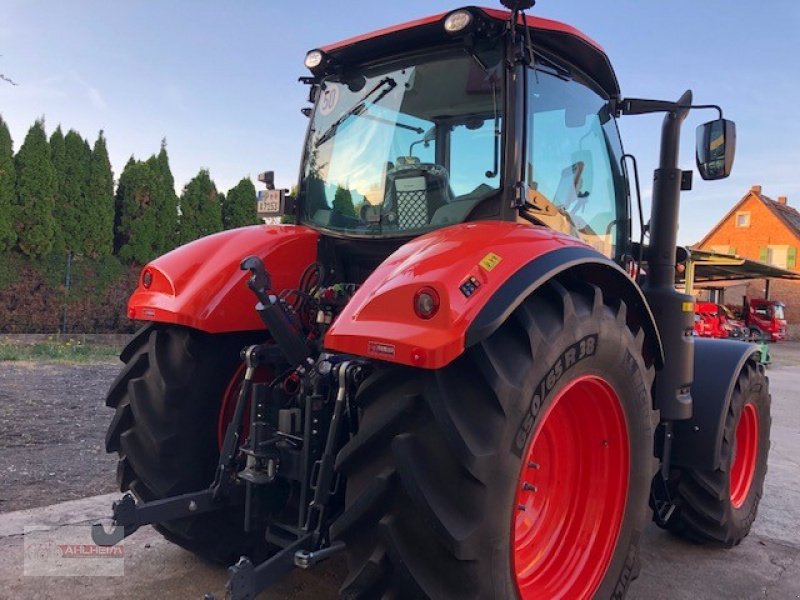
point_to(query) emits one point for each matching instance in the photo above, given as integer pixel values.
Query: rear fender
(200, 285)
(508, 261)
(717, 364)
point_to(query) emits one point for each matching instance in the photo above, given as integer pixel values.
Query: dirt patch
(52, 428)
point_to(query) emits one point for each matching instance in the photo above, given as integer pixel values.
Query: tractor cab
(425, 130)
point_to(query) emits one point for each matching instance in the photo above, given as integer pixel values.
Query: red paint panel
(381, 32)
(200, 285)
(380, 321)
(498, 14)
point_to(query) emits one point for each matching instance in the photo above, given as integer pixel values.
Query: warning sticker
(490, 261)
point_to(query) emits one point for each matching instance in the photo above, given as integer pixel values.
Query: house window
(743, 219)
(778, 256)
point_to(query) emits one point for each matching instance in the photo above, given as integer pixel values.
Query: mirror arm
(641, 106)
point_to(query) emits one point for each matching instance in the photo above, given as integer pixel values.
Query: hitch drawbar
(128, 516)
(312, 541)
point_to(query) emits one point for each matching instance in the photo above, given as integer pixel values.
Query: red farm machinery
(444, 370)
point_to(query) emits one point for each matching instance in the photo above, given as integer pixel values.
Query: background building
(766, 230)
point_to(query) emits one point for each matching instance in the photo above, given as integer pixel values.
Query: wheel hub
(571, 494)
(745, 454)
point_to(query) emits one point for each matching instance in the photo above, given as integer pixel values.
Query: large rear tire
(478, 480)
(167, 400)
(720, 505)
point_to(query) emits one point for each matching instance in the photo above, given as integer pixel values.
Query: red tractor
(443, 370)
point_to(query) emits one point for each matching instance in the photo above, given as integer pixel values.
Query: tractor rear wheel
(168, 400)
(520, 470)
(719, 506)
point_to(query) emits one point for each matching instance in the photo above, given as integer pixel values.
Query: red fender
(200, 285)
(507, 260)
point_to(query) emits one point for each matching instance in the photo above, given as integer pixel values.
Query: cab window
(574, 180)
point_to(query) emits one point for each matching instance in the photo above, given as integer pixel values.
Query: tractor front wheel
(520, 470)
(719, 505)
(168, 399)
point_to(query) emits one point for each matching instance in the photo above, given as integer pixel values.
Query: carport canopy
(712, 266)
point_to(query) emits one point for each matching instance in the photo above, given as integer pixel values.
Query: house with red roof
(763, 229)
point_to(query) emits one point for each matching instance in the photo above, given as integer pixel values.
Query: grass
(66, 351)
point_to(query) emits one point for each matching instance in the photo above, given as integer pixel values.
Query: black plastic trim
(546, 266)
(717, 364)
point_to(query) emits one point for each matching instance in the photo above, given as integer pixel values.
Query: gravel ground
(52, 428)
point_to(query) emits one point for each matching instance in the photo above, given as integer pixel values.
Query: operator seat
(416, 191)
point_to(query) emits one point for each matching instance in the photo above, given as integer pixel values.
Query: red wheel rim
(572, 492)
(745, 452)
(228, 405)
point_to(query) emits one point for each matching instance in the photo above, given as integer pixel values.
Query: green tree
(36, 187)
(100, 200)
(239, 208)
(167, 201)
(343, 202)
(200, 210)
(74, 216)
(119, 195)
(58, 156)
(137, 230)
(8, 236)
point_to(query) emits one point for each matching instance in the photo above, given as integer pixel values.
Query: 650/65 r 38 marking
(577, 352)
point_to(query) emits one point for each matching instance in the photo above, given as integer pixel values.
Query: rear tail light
(426, 303)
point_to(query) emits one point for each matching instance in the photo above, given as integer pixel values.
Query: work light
(314, 59)
(457, 21)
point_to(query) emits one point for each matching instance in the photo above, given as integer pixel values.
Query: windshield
(777, 310)
(404, 148)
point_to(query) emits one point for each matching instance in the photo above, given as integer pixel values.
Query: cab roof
(558, 38)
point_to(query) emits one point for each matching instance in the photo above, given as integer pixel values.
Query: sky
(218, 80)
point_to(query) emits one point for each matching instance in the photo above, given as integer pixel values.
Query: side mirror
(716, 147)
(268, 179)
(274, 204)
